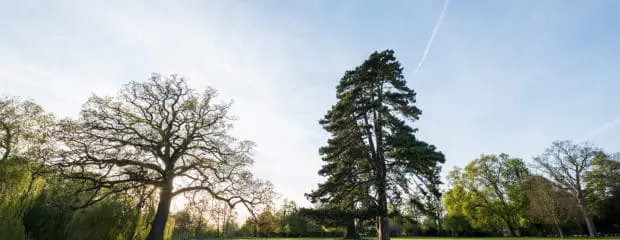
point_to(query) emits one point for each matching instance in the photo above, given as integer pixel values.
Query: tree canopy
(160, 133)
(567, 163)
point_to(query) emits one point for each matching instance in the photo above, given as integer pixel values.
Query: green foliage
(603, 178)
(19, 186)
(191, 223)
(11, 228)
(106, 220)
(457, 224)
(487, 194)
(169, 229)
(23, 146)
(603, 190)
(49, 215)
(267, 223)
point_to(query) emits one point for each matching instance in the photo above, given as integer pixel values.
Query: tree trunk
(255, 228)
(351, 230)
(383, 231)
(586, 214)
(590, 224)
(511, 230)
(382, 220)
(557, 226)
(161, 217)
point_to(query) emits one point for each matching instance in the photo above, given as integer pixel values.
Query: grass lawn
(428, 238)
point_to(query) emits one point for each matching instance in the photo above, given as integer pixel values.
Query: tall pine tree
(373, 151)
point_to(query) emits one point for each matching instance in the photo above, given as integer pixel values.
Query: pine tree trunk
(351, 230)
(382, 220)
(158, 225)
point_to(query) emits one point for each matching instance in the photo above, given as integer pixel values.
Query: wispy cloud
(589, 135)
(431, 39)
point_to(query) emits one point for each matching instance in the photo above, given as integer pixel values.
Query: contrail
(605, 127)
(432, 38)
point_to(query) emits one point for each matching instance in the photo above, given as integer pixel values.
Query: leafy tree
(184, 225)
(460, 202)
(248, 228)
(603, 191)
(295, 224)
(24, 129)
(372, 138)
(24, 145)
(457, 224)
(51, 213)
(162, 134)
(290, 222)
(486, 192)
(567, 163)
(266, 222)
(105, 220)
(603, 178)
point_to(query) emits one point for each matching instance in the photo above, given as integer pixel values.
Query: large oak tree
(160, 133)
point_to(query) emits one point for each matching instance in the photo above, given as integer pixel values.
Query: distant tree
(249, 228)
(486, 192)
(567, 163)
(267, 223)
(462, 203)
(290, 222)
(427, 201)
(333, 218)
(162, 134)
(457, 224)
(106, 220)
(548, 203)
(603, 191)
(24, 130)
(603, 178)
(372, 148)
(184, 224)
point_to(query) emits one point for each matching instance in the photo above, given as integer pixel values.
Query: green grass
(429, 238)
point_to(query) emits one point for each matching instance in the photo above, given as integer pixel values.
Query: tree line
(571, 189)
(287, 221)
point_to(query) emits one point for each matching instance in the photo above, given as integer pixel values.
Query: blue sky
(501, 76)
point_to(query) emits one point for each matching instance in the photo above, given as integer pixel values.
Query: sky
(498, 76)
